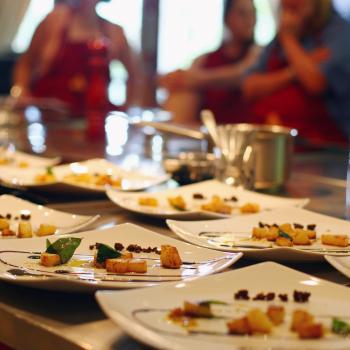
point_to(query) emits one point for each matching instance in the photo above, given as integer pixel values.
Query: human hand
(179, 80)
(320, 55)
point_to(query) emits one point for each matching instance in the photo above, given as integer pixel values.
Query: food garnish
(177, 203)
(59, 252)
(340, 327)
(148, 201)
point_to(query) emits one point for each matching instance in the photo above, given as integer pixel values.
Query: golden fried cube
(299, 318)
(148, 201)
(301, 237)
(276, 314)
(169, 257)
(7, 232)
(310, 331)
(284, 242)
(126, 255)
(250, 208)
(177, 202)
(259, 232)
(335, 240)
(4, 224)
(25, 230)
(137, 265)
(240, 326)
(259, 322)
(49, 260)
(117, 265)
(46, 230)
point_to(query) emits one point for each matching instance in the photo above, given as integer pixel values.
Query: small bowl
(191, 167)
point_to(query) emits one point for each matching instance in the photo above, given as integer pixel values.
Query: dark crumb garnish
(242, 294)
(198, 196)
(92, 246)
(118, 246)
(135, 248)
(24, 217)
(311, 227)
(16, 218)
(234, 199)
(301, 297)
(298, 226)
(8, 216)
(270, 296)
(275, 225)
(283, 297)
(261, 224)
(259, 296)
(2, 216)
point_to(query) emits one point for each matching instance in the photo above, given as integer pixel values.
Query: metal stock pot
(273, 148)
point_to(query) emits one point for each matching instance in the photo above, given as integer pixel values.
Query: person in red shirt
(302, 79)
(64, 48)
(213, 80)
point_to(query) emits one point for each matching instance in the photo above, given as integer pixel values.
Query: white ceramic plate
(208, 189)
(143, 313)
(131, 180)
(65, 222)
(16, 159)
(342, 264)
(81, 276)
(224, 234)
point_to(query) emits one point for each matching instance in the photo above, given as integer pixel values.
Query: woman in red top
(65, 46)
(213, 80)
(302, 79)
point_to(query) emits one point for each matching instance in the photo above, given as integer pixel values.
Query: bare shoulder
(113, 30)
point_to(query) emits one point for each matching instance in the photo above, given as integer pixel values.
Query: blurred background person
(302, 79)
(213, 80)
(71, 47)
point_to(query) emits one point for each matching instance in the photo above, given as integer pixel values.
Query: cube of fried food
(25, 230)
(311, 234)
(239, 327)
(7, 232)
(177, 202)
(272, 234)
(4, 224)
(46, 230)
(170, 257)
(259, 321)
(310, 331)
(335, 240)
(148, 201)
(250, 208)
(117, 265)
(299, 318)
(49, 260)
(301, 237)
(260, 232)
(137, 266)
(287, 228)
(284, 242)
(276, 314)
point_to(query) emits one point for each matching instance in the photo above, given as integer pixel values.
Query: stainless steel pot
(273, 148)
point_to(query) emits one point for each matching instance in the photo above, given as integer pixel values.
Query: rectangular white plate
(228, 232)
(142, 313)
(341, 263)
(21, 160)
(39, 214)
(84, 277)
(131, 180)
(209, 188)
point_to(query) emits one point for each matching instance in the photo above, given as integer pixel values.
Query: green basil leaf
(105, 252)
(284, 235)
(49, 170)
(340, 327)
(64, 247)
